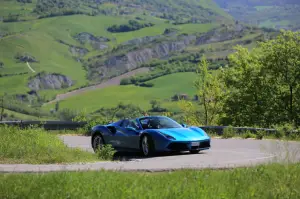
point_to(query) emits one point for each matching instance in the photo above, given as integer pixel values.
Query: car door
(130, 137)
(118, 139)
(114, 138)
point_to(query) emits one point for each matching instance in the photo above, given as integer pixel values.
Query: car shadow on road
(134, 156)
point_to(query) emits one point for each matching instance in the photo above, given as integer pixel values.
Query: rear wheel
(147, 146)
(97, 142)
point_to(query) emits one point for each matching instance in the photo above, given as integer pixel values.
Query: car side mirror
(183, 125)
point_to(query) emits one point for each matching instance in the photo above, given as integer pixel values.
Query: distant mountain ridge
(279, 14)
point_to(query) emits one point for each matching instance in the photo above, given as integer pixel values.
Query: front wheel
(97, 142)
(147, 146)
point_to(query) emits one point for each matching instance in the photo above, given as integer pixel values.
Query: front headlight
(204, 133)
(168, 136)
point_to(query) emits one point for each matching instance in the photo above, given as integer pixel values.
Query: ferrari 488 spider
(150, 134)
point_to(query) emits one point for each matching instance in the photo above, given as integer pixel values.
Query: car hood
(185, 134)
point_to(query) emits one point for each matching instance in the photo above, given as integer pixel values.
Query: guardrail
(68, 125)
(220, 129)
(47, 125)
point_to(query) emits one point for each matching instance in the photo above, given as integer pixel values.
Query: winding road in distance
(224, 153)
(111, 82)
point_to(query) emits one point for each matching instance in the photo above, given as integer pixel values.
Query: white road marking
(30, 67)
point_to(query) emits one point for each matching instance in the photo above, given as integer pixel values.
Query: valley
(111, 51)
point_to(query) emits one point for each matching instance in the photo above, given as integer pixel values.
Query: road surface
(224, 153)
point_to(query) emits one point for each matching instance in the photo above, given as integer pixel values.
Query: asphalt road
(224, 153)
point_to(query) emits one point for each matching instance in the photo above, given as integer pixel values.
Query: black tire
(97, 142)
(147, 151)
(194, 151)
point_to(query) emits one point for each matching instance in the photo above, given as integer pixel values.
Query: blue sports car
(150, 134)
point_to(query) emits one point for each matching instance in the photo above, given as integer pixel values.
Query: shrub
(106, 152)
(131, 26)
(260, 135)
(284, 130)
(125, 81)
(228, 132)
(146, 84)
(247, 135)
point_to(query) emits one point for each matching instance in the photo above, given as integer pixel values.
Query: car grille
(205, 144)
(178, 146)
(184, 146)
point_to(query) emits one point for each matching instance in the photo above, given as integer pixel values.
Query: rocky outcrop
(142, 40)
(221, 34)
(97, 43)
(78, 51)
(75, 50)
(44, 81)
(25, 58)
(134, 59)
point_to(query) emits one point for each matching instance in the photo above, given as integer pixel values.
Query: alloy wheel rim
(145, 145)
(98, 142)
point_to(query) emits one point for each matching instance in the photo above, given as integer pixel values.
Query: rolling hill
(51, 47)
(279, 14)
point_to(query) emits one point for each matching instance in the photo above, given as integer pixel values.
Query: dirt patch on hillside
(112, 82)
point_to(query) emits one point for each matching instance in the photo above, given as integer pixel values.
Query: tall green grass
(35, 146)
(269, 181)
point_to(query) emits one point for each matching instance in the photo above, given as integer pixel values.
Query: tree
(264, 83)
(282, 61)
(56, 106)
(210, 91)
(2, 108)
(156, 106)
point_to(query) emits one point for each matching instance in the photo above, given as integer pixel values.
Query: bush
(247, 135)
(260, 135)
(107, 152)
(282, 131)
(125, 81)
(228, 132)
(82, 117)
(24, 1)
(132, 25)
(147, 84)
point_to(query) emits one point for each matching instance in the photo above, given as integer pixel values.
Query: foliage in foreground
(270, 181)
(35, 146)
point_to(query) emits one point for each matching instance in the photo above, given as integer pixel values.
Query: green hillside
(50, 47)
(164, 88)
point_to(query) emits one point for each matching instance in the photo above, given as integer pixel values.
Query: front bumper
(186, 146)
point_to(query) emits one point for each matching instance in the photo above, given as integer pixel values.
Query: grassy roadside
(265, 181)
(36, 146)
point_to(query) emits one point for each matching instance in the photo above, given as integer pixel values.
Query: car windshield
(159, 123)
